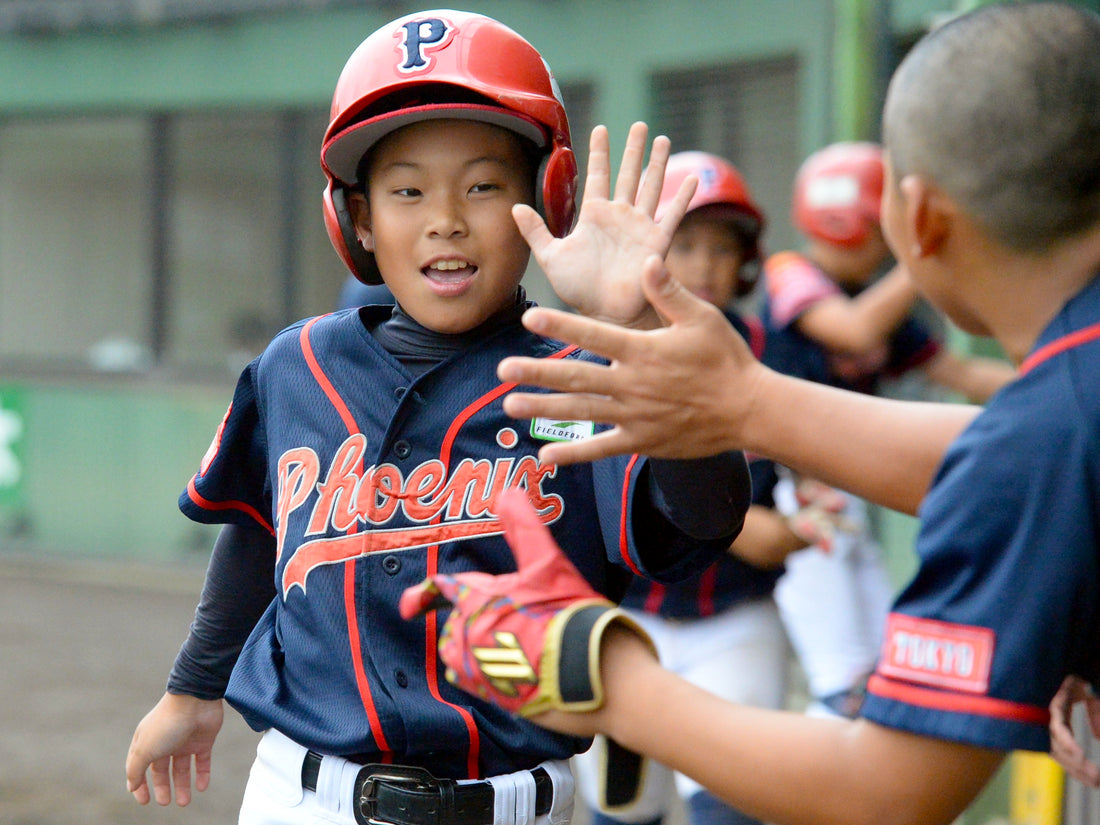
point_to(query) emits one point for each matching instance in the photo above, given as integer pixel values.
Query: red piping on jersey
(207, 504)
(624, 548)
(322, 379)
(654, 597)
(1060, 345)
(431, 631)
(757, 336)
(706, 591)
(940, 700)
(361, 681)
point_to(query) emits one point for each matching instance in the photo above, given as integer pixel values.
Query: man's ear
(929, 214)
(359, 208)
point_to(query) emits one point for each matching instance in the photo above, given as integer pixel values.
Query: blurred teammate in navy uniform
(719, 628)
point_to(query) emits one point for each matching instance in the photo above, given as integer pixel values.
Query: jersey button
(402, 449)
(399, 392)
(392, 565)
(402, 679)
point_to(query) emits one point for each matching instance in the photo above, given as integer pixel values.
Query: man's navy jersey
(730, 580)
(794, 284)
(370, 480)
(1005, 602)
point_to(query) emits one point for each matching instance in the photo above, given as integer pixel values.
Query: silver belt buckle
(369, 776)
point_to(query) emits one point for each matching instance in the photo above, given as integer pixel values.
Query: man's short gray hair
(1001, 107)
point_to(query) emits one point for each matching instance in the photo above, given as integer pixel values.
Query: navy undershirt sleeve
(239, 585)
(705, 498)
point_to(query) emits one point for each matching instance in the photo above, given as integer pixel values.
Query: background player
(365, 449)
(830, 300)
(992, 203)
(718, 628)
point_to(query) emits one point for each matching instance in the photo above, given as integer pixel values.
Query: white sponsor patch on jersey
(547, 429)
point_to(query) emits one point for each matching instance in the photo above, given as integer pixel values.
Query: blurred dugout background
(160, 220)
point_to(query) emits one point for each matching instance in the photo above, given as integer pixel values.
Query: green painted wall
(295, 58)
(104, 465)
(105, 462)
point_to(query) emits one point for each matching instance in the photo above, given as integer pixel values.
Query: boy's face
(438, 218)
(705, 256)
(856, 266)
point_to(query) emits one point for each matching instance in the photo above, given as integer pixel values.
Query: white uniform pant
(834, 607)
(740, 654)
(274, 793)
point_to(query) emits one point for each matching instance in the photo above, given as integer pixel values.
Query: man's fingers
(559, 406)
(672, 302)
(562, 375)
(608, 340)
(608, 443)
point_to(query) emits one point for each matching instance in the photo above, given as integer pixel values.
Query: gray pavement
(85, 648)
(84, 651)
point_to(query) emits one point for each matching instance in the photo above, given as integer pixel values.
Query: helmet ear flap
(748, 276)
(556, 190)
(341, 231)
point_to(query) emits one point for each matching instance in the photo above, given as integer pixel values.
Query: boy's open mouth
(450, 274)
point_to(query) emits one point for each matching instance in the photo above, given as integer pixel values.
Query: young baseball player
(367, 448)
(829, 300)
(992, 204)
(718, 628)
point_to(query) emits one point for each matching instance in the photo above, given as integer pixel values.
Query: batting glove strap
(569, 666)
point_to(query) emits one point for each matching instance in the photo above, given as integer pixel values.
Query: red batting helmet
(720, 184)
(837, 193)
(443, 64)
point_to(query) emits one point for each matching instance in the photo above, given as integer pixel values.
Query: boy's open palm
(596, 268)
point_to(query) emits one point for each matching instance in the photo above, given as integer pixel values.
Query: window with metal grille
(746, 112)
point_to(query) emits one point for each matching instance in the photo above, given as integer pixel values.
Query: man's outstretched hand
(527, 641)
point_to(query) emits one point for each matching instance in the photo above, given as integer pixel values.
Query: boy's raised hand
(596, 268)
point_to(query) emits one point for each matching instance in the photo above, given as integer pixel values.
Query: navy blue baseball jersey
(731, 580)
(794, 284)
(1005, 601)
(372, 478)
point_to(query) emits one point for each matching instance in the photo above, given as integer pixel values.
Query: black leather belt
(404, 795)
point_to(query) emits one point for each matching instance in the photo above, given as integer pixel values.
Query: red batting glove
(527, 641)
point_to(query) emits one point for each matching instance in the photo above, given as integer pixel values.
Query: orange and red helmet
(443, 64)
(838, 192)
(720, 185)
